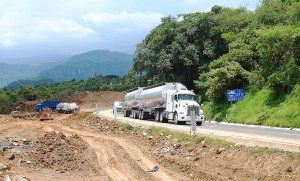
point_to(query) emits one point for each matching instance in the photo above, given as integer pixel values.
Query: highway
(249, 135)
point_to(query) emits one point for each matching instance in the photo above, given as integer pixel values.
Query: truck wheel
(125, 113)
(164, 120)
(136, 115)
(146, 115)
(157, 116)
(175, 119)
(141, 115)
(199, 123)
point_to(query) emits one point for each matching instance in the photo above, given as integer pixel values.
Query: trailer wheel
(141, 115)
(157, 116)
(126, 113)
(136, 115)
(146, 115)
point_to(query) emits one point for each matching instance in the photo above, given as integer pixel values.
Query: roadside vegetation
(260, 108)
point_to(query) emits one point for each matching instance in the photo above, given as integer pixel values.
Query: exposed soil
(81, 146)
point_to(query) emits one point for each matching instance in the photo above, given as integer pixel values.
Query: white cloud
(8, 43)
(63, 26)
(125, 20)
(17, 27)
(192, 2)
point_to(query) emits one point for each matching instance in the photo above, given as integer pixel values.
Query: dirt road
(83, 147)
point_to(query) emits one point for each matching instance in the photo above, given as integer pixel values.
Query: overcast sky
(66, 27)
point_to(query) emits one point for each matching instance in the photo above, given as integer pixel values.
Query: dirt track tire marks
(118, 157)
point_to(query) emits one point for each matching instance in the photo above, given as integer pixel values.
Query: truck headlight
(201, 112)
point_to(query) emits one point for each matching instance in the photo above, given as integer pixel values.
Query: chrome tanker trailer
(131, 100)
(163, 102)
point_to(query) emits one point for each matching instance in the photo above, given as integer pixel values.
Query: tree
(28, 93)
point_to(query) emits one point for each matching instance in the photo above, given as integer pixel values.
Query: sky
(32, 28)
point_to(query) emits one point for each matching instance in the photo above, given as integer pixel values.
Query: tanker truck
(164, 102)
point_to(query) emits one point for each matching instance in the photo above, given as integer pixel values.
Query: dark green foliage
(227, 49)
(5, 102)
(278, 57)
(28, 93)
(181, 48)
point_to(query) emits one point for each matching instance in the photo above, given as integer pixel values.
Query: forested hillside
(90, 64)
(13, 72)
(18, 72)
(230, 49)
(32, 82)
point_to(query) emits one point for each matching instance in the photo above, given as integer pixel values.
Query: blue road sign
(235, 95)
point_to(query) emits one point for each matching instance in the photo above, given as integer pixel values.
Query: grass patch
(156, 132)
(257, 150)
(125, 126)
(219, 142)
(216, 112)
(186, 138)
(259, 108)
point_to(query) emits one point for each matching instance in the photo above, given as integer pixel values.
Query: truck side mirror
(199, 99)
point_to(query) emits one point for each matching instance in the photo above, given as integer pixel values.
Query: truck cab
(181, 105)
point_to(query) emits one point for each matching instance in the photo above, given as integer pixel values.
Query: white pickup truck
(65, 107)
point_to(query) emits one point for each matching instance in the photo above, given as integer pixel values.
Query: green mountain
(90, 64)
(13, 72)
(10, 73)
(28, 82)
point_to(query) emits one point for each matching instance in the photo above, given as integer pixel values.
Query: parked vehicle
(65, 107)
(47, 103)
(119, 106)
(60, 106)
(163, 102)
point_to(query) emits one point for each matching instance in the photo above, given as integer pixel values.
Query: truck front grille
(190, 108)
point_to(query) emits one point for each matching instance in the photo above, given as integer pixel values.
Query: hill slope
(90, 64)
(28, 82)
(10, 73)
(13, 72)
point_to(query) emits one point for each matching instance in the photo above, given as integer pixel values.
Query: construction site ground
(81, 146)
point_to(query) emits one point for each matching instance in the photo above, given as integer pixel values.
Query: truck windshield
(186, 97)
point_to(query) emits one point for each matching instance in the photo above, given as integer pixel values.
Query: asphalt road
(251, 135)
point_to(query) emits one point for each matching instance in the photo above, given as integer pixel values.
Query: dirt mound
(206, 161)
(105, 99)
(79, 116)
(76, 97)
(101, 124)
(63, 154)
